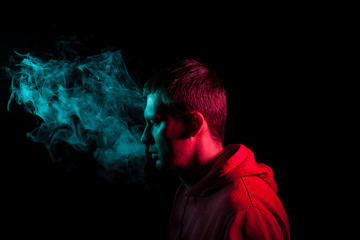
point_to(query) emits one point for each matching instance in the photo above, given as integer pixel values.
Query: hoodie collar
(236, 161)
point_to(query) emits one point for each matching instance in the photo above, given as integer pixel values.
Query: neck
(200, 165)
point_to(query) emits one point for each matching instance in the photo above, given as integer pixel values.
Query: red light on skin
(182, 144)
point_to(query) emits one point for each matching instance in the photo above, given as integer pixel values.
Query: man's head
(186, 106)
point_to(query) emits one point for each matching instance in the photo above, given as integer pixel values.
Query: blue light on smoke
(82, 102)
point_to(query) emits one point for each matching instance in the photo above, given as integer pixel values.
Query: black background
(267, 58)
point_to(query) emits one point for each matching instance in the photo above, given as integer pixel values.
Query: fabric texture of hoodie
(236, 200)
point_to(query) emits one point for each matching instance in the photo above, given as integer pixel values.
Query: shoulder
(252, 191)
(257, 210)
(254, 223)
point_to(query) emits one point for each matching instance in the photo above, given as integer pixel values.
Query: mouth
(154, 155)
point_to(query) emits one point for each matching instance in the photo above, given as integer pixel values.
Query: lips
(153, 154)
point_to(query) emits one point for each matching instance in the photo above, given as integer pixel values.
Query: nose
(146, 137)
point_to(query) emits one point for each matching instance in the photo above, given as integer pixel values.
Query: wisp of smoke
(83, 103)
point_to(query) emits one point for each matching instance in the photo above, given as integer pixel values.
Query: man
(225, 193)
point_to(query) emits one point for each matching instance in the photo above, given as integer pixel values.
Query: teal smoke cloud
(84, 103)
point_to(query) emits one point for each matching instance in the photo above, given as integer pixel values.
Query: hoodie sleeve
(253, 223)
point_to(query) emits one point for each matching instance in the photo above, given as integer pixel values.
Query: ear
(195, 123)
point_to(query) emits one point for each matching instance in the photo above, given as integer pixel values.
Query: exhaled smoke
(83, 103)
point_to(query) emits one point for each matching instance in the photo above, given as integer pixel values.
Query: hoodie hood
(236, 161)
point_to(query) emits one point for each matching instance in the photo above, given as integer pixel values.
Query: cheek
(168, 138)
(161, 137)
(175, 130)
(176, 143)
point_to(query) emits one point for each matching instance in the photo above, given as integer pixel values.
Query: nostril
(145, 137)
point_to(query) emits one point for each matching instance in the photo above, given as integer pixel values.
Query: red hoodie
(236, 200)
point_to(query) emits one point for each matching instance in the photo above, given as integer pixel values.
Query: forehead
(154, 105)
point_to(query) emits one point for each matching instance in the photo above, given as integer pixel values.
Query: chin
(159, 165)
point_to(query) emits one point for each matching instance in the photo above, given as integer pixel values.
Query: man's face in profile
(164, 135)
